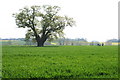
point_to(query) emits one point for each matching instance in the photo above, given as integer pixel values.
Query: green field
(60, 62)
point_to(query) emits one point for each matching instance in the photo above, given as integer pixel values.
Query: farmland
(60, 62)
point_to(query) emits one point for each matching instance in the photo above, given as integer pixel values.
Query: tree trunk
(41, 41)
(40, 44)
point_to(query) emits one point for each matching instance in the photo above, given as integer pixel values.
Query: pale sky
(95, 19)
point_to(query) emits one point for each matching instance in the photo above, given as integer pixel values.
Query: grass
(60, 62)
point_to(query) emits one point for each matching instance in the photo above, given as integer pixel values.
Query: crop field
(60, 62)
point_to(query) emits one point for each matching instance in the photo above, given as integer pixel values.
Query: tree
(43, 22)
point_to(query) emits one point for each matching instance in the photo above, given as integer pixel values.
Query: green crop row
(60, 62)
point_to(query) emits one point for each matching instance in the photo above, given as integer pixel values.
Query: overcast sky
(95, 19)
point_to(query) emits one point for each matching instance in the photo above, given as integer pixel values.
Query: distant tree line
(60, 41)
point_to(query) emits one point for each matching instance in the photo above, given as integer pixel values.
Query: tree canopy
(43, 22)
